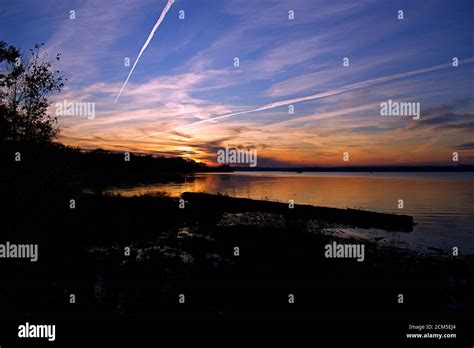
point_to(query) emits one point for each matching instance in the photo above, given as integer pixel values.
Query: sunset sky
(187, 75)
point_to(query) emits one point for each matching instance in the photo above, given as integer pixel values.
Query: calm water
(442, 203)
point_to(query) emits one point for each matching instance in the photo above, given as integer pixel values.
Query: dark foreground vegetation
(191, 251)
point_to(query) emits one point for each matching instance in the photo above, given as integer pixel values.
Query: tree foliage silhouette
(26, 83)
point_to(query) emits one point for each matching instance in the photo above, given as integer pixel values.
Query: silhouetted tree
(25, 85)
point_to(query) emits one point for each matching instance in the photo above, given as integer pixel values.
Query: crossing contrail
(325, 94)
(157, 24)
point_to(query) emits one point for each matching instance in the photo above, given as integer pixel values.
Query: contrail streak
(325, 94)
(158, 22)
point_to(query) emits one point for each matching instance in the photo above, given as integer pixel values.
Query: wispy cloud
(350, 87)
(466, 146)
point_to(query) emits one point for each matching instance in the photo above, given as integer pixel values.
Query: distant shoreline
(384, 169)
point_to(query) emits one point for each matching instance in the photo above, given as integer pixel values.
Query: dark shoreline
(353, 217)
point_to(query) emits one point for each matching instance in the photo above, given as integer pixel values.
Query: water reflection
(441, 203)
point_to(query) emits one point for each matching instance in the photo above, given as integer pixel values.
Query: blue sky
(187, 75)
